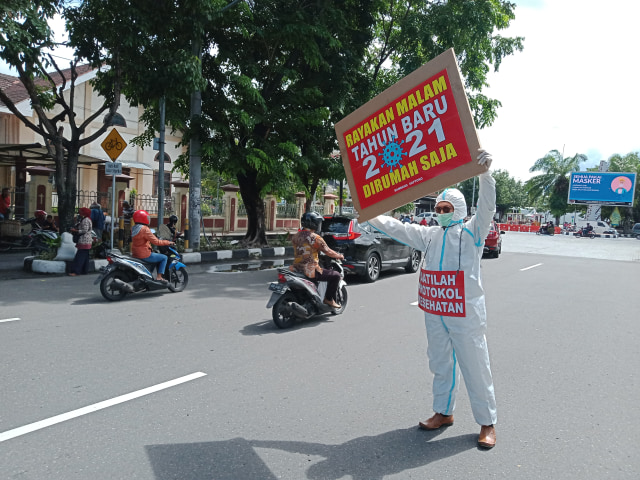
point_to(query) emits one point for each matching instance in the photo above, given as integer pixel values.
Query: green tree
(26, 41)
(629, 163)
(510, 193)
(146, 46)
(272, 75)
(407, 34)
(280, 78)
(281, 73)
(553, 184)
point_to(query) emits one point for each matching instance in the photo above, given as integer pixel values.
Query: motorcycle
(37, 239)
(545, 230)
(124, 275)
(294, 297)
(583, 233)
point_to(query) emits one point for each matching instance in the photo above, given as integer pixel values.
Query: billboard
(602, 188)
(415, 138)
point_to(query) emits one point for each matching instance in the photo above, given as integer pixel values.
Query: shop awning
(141, 166)
(36, 154)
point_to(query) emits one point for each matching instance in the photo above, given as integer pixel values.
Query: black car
(367, 252)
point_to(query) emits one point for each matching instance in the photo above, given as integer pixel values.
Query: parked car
(493, 242)
(636, 230)
(367, 252)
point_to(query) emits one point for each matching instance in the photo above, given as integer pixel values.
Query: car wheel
(414, 262)
(373, 265)
(638, 237)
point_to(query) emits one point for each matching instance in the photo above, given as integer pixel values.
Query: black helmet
(311, 220)
(173, 219)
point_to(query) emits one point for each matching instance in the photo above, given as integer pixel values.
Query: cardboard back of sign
(414, 139)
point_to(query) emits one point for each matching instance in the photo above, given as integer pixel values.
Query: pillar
(230, 198)
(181, 201)
(329, 203)
(40, 189)
(301, 199)
(271, 212)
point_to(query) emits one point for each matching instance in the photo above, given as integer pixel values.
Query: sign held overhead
(415, 138)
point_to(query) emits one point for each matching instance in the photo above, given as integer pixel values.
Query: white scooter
(294, 297)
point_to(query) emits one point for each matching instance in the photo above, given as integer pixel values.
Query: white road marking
(413, 304)
(32, 427)
(9, 320)
(529, 268)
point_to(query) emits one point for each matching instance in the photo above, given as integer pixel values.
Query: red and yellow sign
(442, 293)
(412, 140)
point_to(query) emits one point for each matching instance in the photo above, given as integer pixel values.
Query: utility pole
(195, 161)
(195, 165)
(161, 162)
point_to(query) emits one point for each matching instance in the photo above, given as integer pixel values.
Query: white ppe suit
(454, 340)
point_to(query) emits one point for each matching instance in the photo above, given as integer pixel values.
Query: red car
(493, 242)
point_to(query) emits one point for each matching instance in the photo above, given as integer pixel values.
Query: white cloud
(572, 88)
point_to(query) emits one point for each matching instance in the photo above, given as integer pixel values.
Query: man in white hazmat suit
(451, 294)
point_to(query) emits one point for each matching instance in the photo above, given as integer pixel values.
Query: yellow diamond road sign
(114, 144)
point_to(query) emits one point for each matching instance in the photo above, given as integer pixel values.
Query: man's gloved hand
(484, 158)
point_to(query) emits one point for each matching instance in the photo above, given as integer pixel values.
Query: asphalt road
(84, 391)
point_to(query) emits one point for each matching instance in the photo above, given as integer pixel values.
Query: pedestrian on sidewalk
(80, 264)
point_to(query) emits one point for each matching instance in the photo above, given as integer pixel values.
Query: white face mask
(445, 219)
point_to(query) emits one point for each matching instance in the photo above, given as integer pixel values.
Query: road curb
(33, 265)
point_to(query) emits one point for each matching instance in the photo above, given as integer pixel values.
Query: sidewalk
(20, 265)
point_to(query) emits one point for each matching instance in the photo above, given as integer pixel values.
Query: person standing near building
(127, 213)
(80, 265)
(97, 219)
(455, 328)
(5, 204)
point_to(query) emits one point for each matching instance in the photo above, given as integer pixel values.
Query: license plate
(277, 287)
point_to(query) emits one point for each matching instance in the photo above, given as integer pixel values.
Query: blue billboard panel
(603, 188)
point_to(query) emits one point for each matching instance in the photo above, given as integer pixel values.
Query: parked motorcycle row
(36, 239)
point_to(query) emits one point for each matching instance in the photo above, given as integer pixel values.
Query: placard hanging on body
(414, 139)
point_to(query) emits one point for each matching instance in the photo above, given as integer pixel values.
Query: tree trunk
(66, 182)
(312, 193)
(256, 229)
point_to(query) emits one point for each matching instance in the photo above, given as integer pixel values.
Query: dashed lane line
(32, 427)
(529, 268)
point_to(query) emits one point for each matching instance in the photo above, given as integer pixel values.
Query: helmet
(311, 220)
(141, 216)
(40, 214)
(173, 219)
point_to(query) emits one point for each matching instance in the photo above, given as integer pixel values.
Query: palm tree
(553, 182)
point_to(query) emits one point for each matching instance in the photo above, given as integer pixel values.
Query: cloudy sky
(574, 87)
